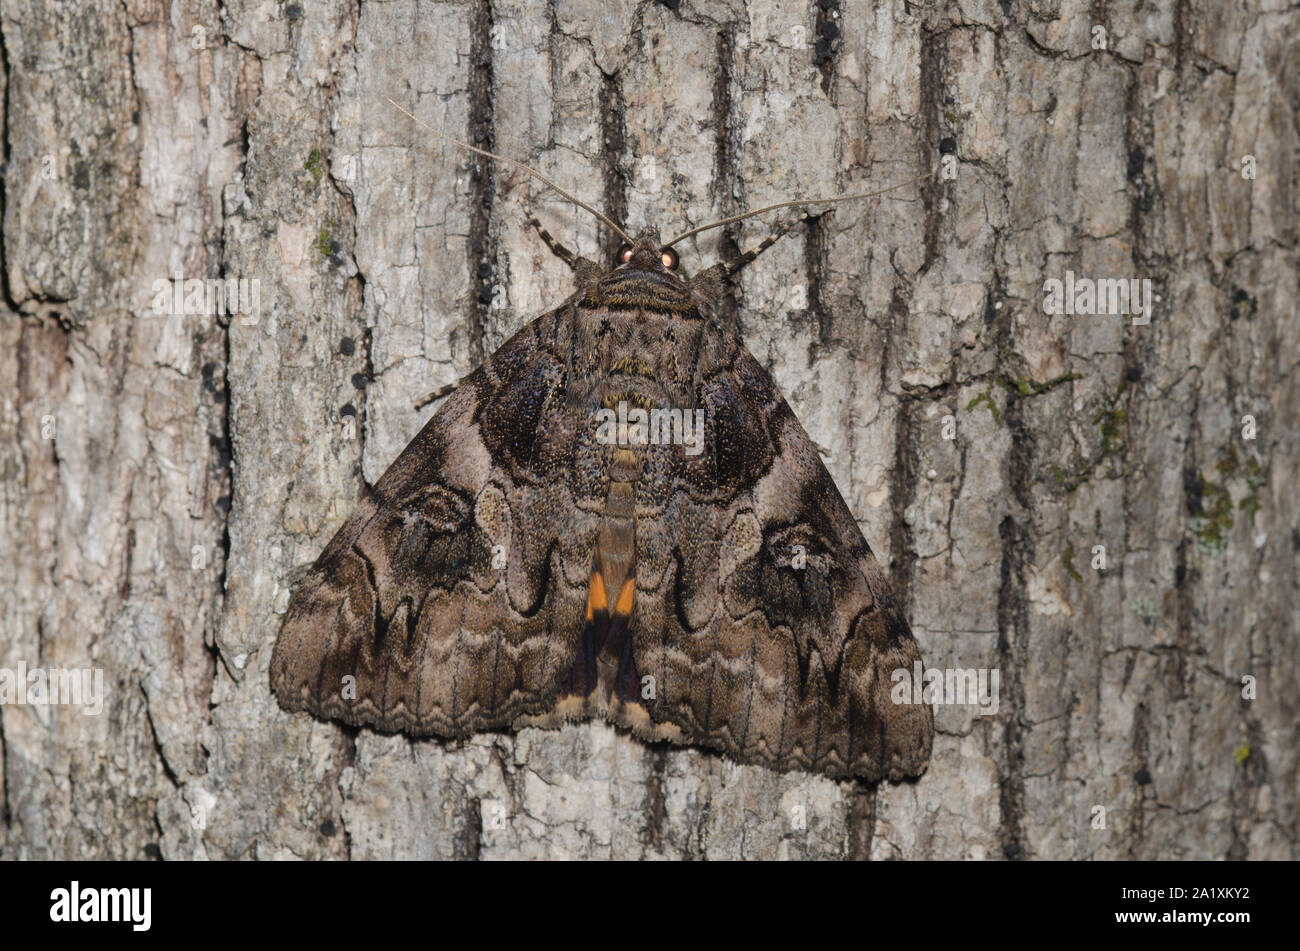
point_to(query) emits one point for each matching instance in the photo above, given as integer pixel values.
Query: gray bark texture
(165, 479)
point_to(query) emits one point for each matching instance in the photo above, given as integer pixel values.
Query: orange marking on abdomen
(625, 597)
(596, 597)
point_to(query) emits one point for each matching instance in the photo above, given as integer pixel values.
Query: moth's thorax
(646, 356)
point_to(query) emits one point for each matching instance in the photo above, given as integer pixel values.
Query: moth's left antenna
(519, 165)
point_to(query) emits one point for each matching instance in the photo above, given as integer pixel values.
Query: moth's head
(647, 252)
(645, 275)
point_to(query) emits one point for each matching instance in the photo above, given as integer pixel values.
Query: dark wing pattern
(762, 615)
(451, 601)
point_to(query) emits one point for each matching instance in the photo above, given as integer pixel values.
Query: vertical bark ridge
(483, 178)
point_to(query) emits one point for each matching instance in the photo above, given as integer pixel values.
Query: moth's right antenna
(522, 167)
(796, 203)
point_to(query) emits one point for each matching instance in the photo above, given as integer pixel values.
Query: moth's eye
(625, 255)
(669, 257)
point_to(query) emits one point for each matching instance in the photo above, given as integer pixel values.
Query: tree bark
(167, 478)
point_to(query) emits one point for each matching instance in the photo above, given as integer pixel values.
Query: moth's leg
(734, 265)
(438, 394)
(559, 250)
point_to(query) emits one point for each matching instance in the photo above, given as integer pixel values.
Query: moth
(553, 546)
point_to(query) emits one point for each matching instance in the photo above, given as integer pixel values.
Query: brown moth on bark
(617, 515)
